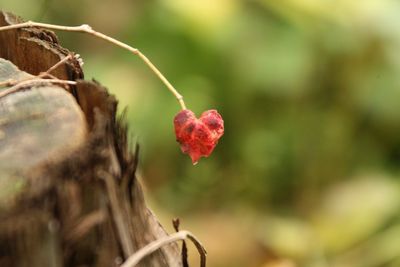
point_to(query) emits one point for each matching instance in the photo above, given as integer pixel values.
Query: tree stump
(68, 192)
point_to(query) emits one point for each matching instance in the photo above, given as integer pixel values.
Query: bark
(68, 191)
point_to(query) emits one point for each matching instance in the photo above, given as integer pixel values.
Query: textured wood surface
(35, 50)
(68, 191)
(38, 125)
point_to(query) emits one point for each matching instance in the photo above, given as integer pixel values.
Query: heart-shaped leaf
(198, 136)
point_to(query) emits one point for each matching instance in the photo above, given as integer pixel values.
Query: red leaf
(198, 137)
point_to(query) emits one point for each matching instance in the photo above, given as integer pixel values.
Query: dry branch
(155, 245)
(84, 28)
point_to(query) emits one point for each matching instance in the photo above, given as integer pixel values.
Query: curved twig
(89, 30)
(157, 244)
(25, 83)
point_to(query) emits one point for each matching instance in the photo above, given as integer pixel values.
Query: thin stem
(23, 84)
(55, 66)
(17, 85)
(87, 29)
(159, 243)
(7, 82)
(12, 82)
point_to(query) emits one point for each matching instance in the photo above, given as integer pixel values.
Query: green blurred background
(307, 173)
